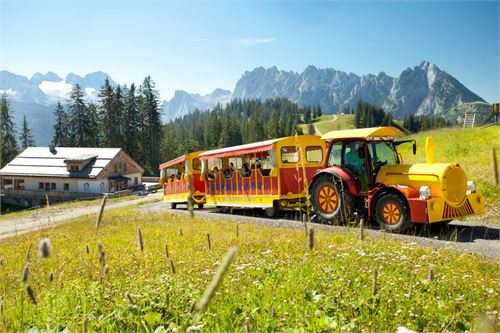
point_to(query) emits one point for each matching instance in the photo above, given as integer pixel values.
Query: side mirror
(414, 148)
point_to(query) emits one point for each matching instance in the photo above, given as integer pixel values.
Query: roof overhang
(249, 148)
(173, 162)
(387, 131)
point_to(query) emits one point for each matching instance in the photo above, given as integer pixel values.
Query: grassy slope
(274, 280)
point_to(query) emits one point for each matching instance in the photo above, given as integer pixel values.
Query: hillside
(457, 113)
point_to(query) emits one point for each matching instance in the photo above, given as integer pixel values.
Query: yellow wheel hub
(328, 199)
(391, 213)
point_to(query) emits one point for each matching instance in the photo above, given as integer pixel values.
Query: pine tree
(131, 145)
(61, 130)
(273, 126)
(307, 115)
(25, 137)
(80, 127)
(8, 141)
(149, 109)
(94, 138)
(108, 119)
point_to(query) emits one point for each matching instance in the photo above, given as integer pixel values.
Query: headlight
(471, 187)
(425, 192)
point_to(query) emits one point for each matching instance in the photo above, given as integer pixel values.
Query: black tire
(331, 201)
(173, 205)
(273, 211)
(200, 206)
(392, 213)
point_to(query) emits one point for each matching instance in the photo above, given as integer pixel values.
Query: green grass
(468, 147)
(343, 121)
(274, 281)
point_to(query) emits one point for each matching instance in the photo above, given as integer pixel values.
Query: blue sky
(199, 46)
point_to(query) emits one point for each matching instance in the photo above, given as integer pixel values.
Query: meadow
(275, 282)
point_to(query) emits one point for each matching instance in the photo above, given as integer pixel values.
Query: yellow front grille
(450, 212)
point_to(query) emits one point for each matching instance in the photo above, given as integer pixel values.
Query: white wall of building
(93, 186)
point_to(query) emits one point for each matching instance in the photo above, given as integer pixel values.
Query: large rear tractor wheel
(392, 213)
(330, 200)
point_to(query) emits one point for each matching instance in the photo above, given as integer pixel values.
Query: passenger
(228, 173)
(172, 177)
(231, 166)
(179, 175)
(245, 171)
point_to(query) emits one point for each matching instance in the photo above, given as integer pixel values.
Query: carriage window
(335, 157)
(196, 164)
(289, 154)
(235, 162)
(314, 154)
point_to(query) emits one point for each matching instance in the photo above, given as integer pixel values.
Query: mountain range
(422, 90)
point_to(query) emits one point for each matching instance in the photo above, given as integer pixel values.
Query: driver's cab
(362, 158)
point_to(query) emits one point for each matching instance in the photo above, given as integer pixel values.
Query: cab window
(314, 154)
(335, 157)
(382, 153)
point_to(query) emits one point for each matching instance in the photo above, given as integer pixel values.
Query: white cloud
(331, 17)
(250, 42)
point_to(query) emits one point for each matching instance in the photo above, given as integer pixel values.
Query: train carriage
(175, 180)
(270, 174)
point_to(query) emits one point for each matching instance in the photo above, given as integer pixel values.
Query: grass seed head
(87, 249)
(172, 266)
(139, 239)
(51, 276)
(44, 248)
(166, 251)
(180, 231)
(101, 212)
(25, 272)
(375, 281)
(310, 239)
(430, 274)
(217, 279)
(31, 294)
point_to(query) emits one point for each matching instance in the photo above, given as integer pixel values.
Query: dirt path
(40, 219)
(316, 130)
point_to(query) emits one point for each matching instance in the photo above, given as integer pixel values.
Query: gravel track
(465, 237)
(474, 236)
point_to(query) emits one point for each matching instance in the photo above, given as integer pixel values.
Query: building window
(66, 186)
(53, 186)
(19, 184)
(40, 186)
(7, 184)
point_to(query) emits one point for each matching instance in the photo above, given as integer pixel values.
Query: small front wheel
(272, 211)
(200, 206)
(392, 213)
(173, 205)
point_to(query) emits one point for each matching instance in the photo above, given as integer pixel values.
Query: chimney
(52, 149)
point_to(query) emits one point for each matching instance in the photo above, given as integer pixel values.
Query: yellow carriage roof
(180, 159)
(363, 133)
